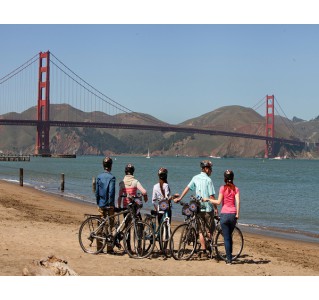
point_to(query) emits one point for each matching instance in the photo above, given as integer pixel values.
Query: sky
(179, 71)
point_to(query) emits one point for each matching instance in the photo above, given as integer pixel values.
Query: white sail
(148, 154)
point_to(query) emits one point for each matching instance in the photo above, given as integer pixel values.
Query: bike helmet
(107, 162)
(129, 169)
(162, 173)
(229, 176)
(206, 163)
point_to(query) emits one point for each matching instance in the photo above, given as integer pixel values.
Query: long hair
(229, 180)
(162, 176)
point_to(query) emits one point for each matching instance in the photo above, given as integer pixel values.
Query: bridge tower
(43, 111)
(270, 126)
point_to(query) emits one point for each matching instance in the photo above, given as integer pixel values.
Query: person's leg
(225, 224)
(232, 224)
(201, 238)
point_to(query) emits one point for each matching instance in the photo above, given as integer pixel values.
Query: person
(105, 189)
(161, 190)
(105, 193)
(229, 196)
(203, 186)
(130, 185)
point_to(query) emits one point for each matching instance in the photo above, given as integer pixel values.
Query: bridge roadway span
(164, 128)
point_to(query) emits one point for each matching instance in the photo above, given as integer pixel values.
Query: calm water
(279, 197)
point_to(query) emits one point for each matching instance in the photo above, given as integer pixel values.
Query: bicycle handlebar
(193, 198)
(131, 196)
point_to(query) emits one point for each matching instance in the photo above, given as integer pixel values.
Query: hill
(90, 141)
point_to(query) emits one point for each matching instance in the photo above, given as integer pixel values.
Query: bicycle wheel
(165, 235)
(91, 237)
(139, 239)
(238, 244)
(183, 242)
(149, 221)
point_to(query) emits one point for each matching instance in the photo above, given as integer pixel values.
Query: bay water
(278, 197)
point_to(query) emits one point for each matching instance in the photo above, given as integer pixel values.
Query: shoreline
(292, 235)
(35, 224)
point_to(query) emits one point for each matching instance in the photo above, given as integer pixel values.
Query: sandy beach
(35, 225)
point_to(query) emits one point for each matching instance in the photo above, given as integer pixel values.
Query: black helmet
(129, 169)
(107, 162)
(162, 173)
(229, 176)
(206, 163)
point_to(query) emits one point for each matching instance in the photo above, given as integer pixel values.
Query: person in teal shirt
(203, 187)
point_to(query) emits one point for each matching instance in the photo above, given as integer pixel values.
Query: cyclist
(105, 188)
(130, 185)
(161, 190)
(229, 196)
(105, 192)
(203, 186)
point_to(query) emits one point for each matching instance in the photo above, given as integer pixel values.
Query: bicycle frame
(197, 222)
(96, 232)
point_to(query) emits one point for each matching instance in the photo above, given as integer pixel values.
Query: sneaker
(228, 262)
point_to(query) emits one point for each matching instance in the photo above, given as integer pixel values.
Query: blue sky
(180, 71)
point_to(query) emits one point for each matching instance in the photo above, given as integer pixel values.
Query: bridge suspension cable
(18, 89)
(260, 103)
(94, 92)
(289, 127)
(19, 69)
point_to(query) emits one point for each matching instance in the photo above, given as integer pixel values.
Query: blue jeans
(228, 222)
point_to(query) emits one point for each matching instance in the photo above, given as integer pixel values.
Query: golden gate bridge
(46, 79)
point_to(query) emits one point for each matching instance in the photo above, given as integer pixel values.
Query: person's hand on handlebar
(177, 199)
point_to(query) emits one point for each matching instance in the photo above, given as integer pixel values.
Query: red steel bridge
(46, 78)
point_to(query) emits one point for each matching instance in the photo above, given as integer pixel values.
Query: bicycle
(185, 238)
(163, 231)
(96, 232)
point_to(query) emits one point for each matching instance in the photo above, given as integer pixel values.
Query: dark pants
(228, 223)
(104, 211)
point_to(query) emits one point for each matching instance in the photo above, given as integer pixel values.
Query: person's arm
(154, 197)
(214, 201)
(237, 199)
(119, 198)
(212, 198)
(112, 191)
(143, 191)
(176, 200)
(97, 192)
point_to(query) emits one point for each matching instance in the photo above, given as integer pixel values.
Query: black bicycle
(97, 232)
(185, 238)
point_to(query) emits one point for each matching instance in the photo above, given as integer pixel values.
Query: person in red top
(229, 196)
(130, 185)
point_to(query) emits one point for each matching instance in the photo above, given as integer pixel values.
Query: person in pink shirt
(229, 197)
(130, 185)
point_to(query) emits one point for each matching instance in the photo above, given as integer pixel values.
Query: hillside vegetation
(91, 141)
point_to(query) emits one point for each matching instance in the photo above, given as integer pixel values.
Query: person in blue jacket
(105, 194)
(105, 189)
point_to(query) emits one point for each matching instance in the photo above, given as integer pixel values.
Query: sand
(35, 225)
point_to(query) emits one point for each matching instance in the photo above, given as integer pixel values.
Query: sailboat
(148, 154)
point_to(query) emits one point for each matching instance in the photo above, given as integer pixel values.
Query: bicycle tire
(164, 237)
(238, 244)
(149, 221)
(91, 241)
(183, 242)
(139, 239)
